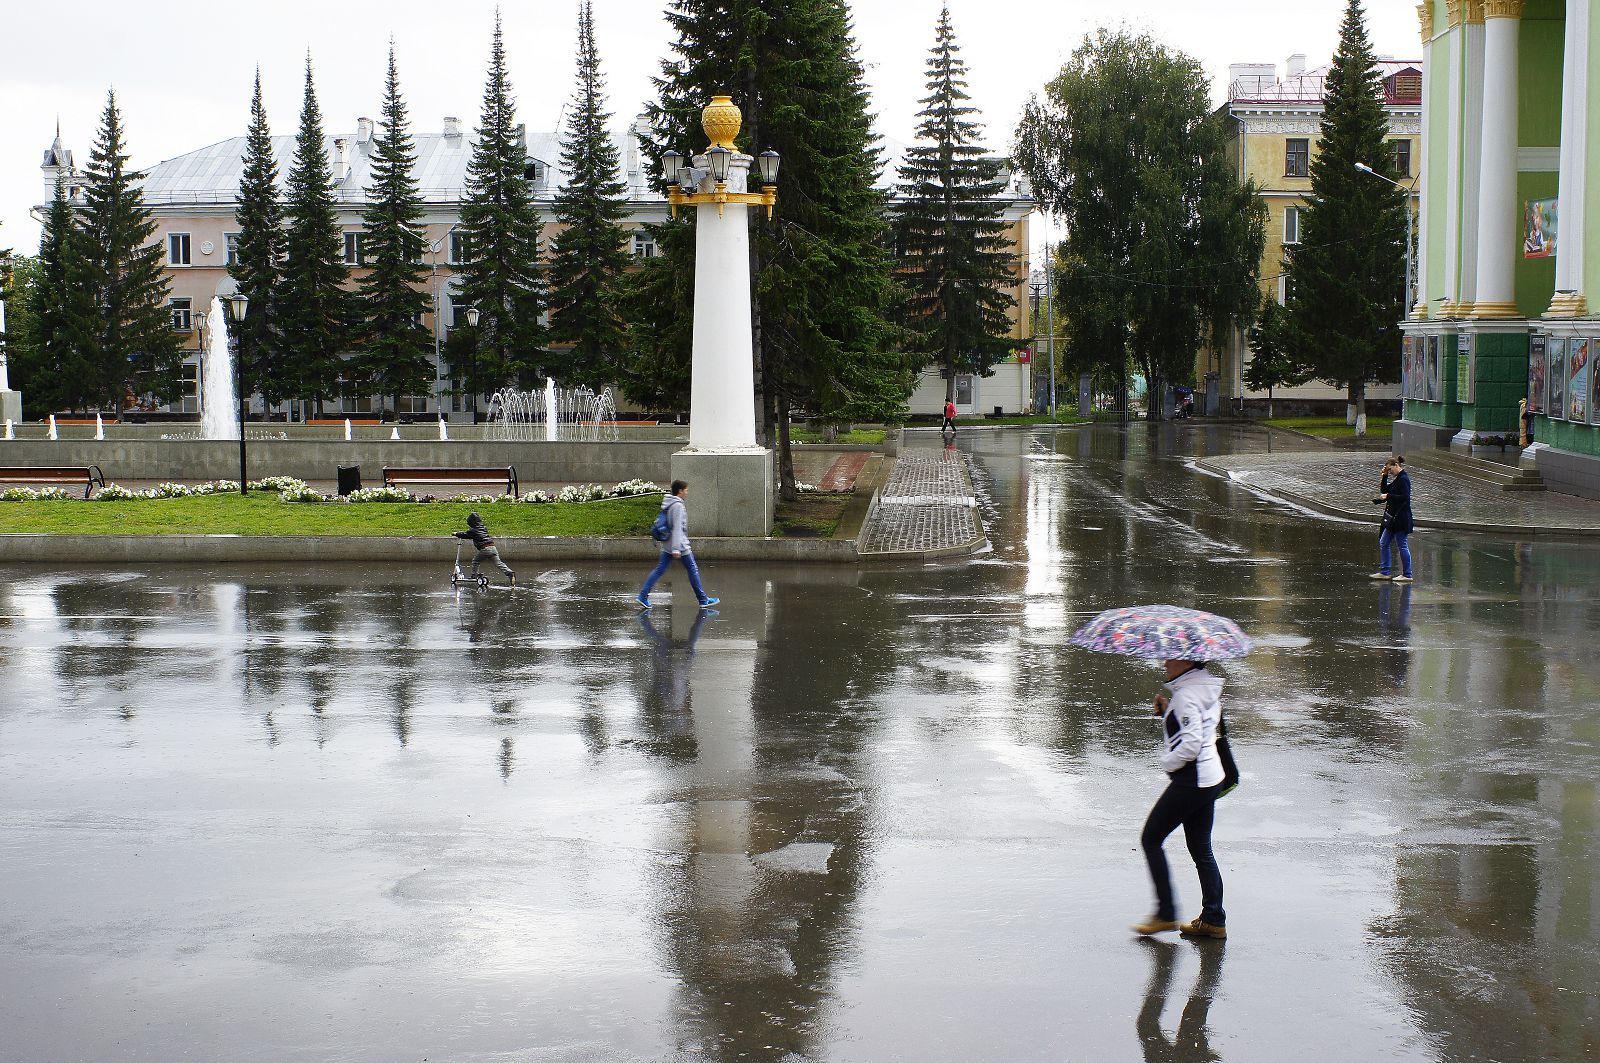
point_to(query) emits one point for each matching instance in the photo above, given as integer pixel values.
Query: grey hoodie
(677, 525)
(1189, 729)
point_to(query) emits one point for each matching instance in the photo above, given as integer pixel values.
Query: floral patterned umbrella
(1162, 633)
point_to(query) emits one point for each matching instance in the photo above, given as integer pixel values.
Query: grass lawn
(1332, 427)
(260, 513)
(811, 516)
(869, 436)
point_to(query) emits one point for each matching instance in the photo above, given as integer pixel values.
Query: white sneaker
(1402, 579)
(1379, 575)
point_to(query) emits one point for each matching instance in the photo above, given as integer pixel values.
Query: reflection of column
(1569, 299)
(1420, 251)
(1495, 295)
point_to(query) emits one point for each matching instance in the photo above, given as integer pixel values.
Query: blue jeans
(1389, 539)
(1194, 810)
(661, 567)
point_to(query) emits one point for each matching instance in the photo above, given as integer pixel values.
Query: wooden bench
(90, 476)
(454, 478)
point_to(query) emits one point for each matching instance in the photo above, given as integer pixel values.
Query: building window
(458, 248)
(182, 315)
(1400, 157)
(177, 249)
(230, 256)
(644, 245)
(1297, 158)
(1291, 226)
(354, 253)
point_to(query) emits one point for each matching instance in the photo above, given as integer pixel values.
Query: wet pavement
(1345, 484)
(861, 814)
(926, 505)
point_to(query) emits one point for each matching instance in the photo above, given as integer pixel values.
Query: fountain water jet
(576, 413)
(219, 409)
(53, 434)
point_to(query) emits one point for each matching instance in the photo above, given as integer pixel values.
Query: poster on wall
(1539, 228)
(1578, 381)
(1431, 371)
(1536, 374)
(1464, 368)
(1556, 404)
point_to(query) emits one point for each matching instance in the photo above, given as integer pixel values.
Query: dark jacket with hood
(476, 532)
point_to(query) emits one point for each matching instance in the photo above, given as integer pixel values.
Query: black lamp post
(472, 385)
(237, 304)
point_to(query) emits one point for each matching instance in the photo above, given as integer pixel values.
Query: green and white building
(1509, 240)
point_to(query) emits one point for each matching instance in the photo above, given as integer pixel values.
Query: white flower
(381, 494)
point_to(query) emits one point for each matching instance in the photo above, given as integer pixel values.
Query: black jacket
(478, 534)
(1397, 508)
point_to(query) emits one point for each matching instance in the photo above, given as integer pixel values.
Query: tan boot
(1199, 928)
(1154, 925)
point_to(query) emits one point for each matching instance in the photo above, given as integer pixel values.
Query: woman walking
(1394, 494)
(1191, 722)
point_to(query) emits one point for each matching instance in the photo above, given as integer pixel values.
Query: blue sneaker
(644, 603)
(709, 602)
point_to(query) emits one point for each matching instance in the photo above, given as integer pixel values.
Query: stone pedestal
(11, 407)
(730, 490)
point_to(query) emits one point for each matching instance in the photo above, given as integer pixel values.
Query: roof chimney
(452, 127)
(363, 130)
(1295, 66)
(341, 153)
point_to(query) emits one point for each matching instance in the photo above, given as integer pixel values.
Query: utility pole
(1050, 321)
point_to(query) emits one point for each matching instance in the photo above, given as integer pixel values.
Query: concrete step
(1504, 475)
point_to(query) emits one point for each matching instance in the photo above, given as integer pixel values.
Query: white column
(1498, 216)
(1420, 277)
(1570, 300)
(722, 413)
(1472, 80)
(1453, 124)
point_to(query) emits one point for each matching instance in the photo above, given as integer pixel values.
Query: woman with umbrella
(1194, 750)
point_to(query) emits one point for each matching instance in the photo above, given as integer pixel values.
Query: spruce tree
(501, 227)
(56, 372)
(1347, 295)
(822, 271)
(588, 257)
(130, 342)
(395, 345)
(957, 263)
(314, 310)
(257, 265)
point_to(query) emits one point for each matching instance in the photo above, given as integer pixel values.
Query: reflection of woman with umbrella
(1194, 751)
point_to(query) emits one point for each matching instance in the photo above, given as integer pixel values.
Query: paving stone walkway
(927, 505)
(1344, 484)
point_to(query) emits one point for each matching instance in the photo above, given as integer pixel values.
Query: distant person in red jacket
(949, 418)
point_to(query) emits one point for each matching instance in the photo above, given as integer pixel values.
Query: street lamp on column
(472, 385)
(200, 325)
(237, 304)
(1411, 299)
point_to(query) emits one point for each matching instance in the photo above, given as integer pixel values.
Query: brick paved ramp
(927, 508)
(1343, 484)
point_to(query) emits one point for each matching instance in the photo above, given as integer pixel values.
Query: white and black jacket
(1189, 729)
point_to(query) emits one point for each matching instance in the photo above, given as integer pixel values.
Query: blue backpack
(659, 530)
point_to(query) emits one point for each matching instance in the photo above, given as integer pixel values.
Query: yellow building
(1275, 124)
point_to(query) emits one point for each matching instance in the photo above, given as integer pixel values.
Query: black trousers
(1192, 808)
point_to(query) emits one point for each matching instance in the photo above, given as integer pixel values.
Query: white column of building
(1454, 120)
(1420, 252)
(1570, 300)
(1472, 86)
(1498, 216)
(722, 413)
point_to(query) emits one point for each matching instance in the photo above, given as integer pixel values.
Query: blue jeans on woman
(661, 567)
(1388, 539)
(1194, 809)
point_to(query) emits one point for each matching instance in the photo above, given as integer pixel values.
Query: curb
(1363, 516)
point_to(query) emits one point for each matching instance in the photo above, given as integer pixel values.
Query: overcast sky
(183, 69)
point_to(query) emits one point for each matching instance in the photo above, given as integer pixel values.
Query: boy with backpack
(671, 530)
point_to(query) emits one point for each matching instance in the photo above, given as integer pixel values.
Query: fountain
(53, 433)
(99, 427)
(347, 429)
(444, 428)
(219, 409)
(10, 432)
(576, 413)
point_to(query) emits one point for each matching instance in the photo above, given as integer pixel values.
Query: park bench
(90, 476)
(506, 476)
